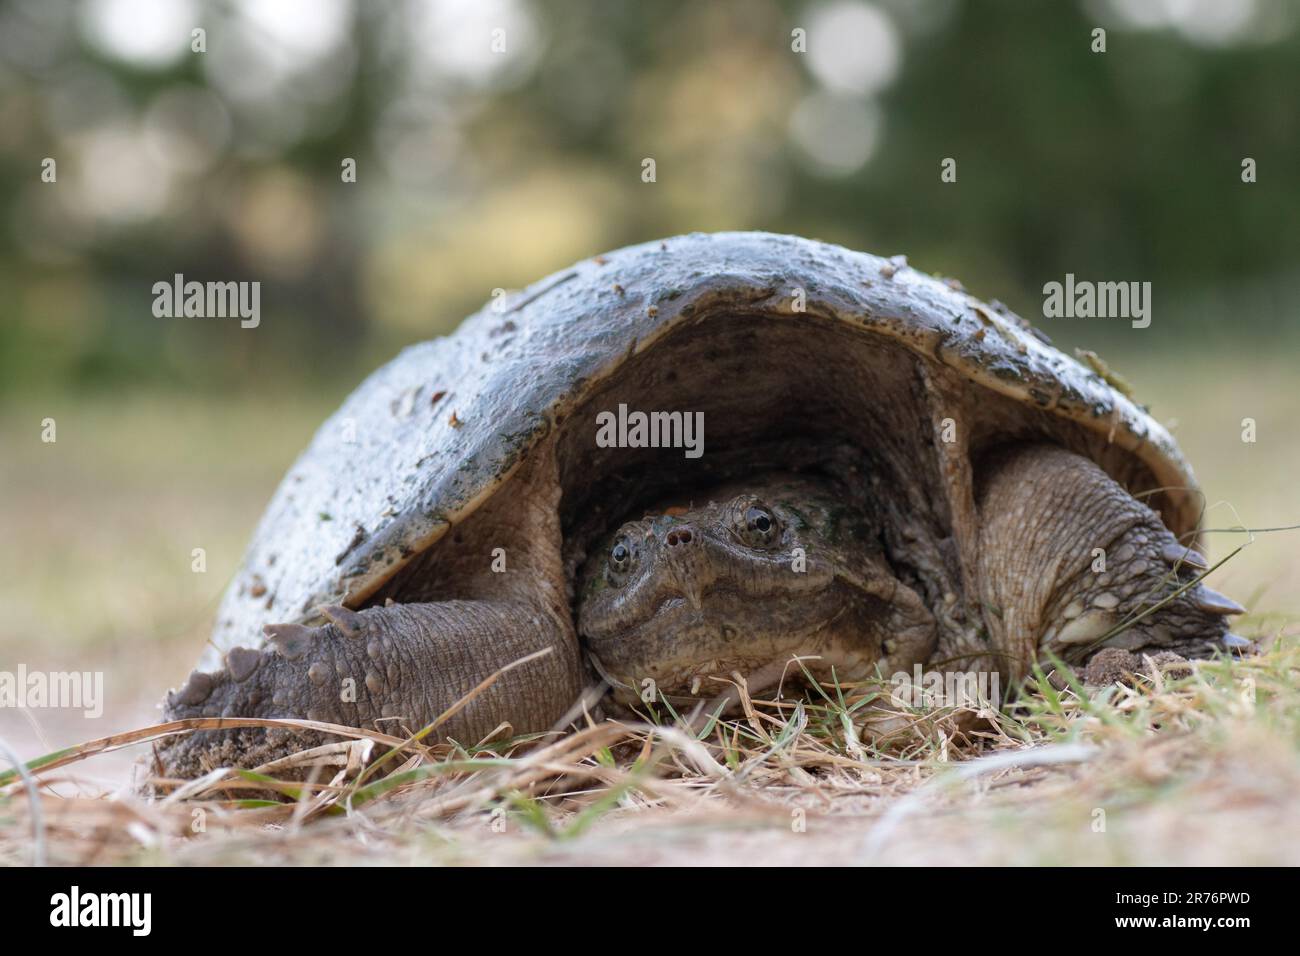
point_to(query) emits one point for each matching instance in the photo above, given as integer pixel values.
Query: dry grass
(1204, 769)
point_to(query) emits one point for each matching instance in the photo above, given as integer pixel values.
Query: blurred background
(496, 141)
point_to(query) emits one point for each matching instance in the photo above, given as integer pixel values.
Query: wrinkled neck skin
(680, 602)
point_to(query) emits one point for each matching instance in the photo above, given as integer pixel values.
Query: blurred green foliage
(499, 140)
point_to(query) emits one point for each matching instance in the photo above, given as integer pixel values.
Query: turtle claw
(1236, 641)
(291, 640)
(347, 621)
(1212, 602)
(1178, 554)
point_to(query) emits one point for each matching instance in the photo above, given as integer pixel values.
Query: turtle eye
(622, 556)
(759, 527)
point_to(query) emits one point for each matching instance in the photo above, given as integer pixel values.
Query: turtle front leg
(394, 669)
(1072, 564)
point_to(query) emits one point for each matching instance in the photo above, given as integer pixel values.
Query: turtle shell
(426, 439)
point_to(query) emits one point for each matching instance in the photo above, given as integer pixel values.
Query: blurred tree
(498, 140)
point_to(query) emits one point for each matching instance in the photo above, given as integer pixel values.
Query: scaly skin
(1067, 556)
(769, 568)
(721, 603)
(394, 669)
(684, 600)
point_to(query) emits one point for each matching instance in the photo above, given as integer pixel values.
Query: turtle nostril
(678, 536)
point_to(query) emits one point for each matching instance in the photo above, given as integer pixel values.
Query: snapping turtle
(895, 474)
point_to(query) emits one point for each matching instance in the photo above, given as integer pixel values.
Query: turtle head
(766, 570)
